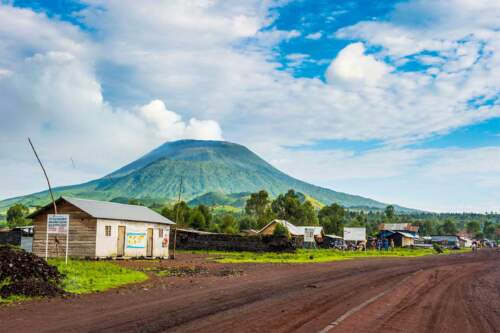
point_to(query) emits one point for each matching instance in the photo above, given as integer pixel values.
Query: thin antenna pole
(177, 218)
(46, 177)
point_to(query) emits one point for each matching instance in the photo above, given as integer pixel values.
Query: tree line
(260, 209)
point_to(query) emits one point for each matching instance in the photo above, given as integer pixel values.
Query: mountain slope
(206, 166)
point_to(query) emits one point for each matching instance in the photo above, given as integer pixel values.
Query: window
(160, 233)
(107, 230)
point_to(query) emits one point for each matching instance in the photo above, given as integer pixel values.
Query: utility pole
(177, 218)
(46, 177)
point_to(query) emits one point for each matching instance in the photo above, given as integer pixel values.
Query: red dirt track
(455, 293)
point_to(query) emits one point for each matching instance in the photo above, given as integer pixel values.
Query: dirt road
(456, 293)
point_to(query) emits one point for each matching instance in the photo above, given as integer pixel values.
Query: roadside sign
(354, 234)
(57, 224)
(309, 235)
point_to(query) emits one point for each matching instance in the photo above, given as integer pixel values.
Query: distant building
(295, 231)
(20, 236)
(99, 229)
(400, 238)
(399, 227)
(448, 240)
(403, 234)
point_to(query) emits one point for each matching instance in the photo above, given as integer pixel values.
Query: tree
(16, 216)
(473, 227)
(389, 213)
(449, 227)
(425, 227)
(248, 222)
(288, 207)
(332, 218)
(205, 211)
(135, 202)
(308, 214)
(258, 206)
(228, 224)
(489, 230)
(281, 230)
(197, 220)
(171, 213)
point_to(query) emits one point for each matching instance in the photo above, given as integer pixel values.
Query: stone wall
(192, 240)
(12, 237)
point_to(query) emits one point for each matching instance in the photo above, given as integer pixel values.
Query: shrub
(280, 230)
(438, 248)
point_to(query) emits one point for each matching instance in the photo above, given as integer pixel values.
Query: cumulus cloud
(170, 126)
(352, 65)
(213, 63)
(314, 35)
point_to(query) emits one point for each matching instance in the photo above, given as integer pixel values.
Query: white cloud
(213, 60)
(171, 127)
(352, 65)
(315, 35)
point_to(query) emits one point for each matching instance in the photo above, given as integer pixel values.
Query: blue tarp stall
(400, 238)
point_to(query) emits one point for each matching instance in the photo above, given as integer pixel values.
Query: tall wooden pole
(177, 218)
(46, 177)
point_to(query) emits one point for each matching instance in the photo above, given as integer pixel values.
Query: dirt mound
(23, 273)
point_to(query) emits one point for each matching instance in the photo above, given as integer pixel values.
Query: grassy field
(315, 256)
(91, 276)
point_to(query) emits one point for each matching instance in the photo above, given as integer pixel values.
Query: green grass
(314, 256)
(93, 276)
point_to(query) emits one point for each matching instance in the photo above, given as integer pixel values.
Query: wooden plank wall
(82, 233)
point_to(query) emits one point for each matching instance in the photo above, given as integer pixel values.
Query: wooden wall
(82, 233)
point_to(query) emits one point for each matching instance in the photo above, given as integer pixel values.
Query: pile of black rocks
(23, 273)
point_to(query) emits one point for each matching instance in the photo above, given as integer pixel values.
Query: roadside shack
(99, 229)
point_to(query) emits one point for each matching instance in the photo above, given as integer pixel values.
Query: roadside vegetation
(83, 277)
(302, 256)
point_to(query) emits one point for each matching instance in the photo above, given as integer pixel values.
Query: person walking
(379, 244)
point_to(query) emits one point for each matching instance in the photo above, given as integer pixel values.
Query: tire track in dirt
(277, 298)
(439, 299)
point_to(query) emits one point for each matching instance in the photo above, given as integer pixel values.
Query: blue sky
(387, 99)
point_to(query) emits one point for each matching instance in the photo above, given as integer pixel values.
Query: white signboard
(354, 234)
(309, 235)
(57, 224)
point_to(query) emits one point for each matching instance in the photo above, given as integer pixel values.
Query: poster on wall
(136, 240)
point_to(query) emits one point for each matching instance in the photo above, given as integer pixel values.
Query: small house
(99, 229)
(400, 238)
(295, 231)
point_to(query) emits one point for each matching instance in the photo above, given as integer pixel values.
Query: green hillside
(221, 171)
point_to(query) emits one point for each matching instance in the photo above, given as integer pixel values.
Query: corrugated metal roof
(293, 229)
(406, 234)
(117, 211)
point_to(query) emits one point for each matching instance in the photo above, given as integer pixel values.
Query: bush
(280, 230)
(438, 248)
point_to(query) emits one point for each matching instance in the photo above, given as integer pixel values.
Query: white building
(99, 229)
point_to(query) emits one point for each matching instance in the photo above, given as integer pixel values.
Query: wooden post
(46, 177)
(177, 219)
